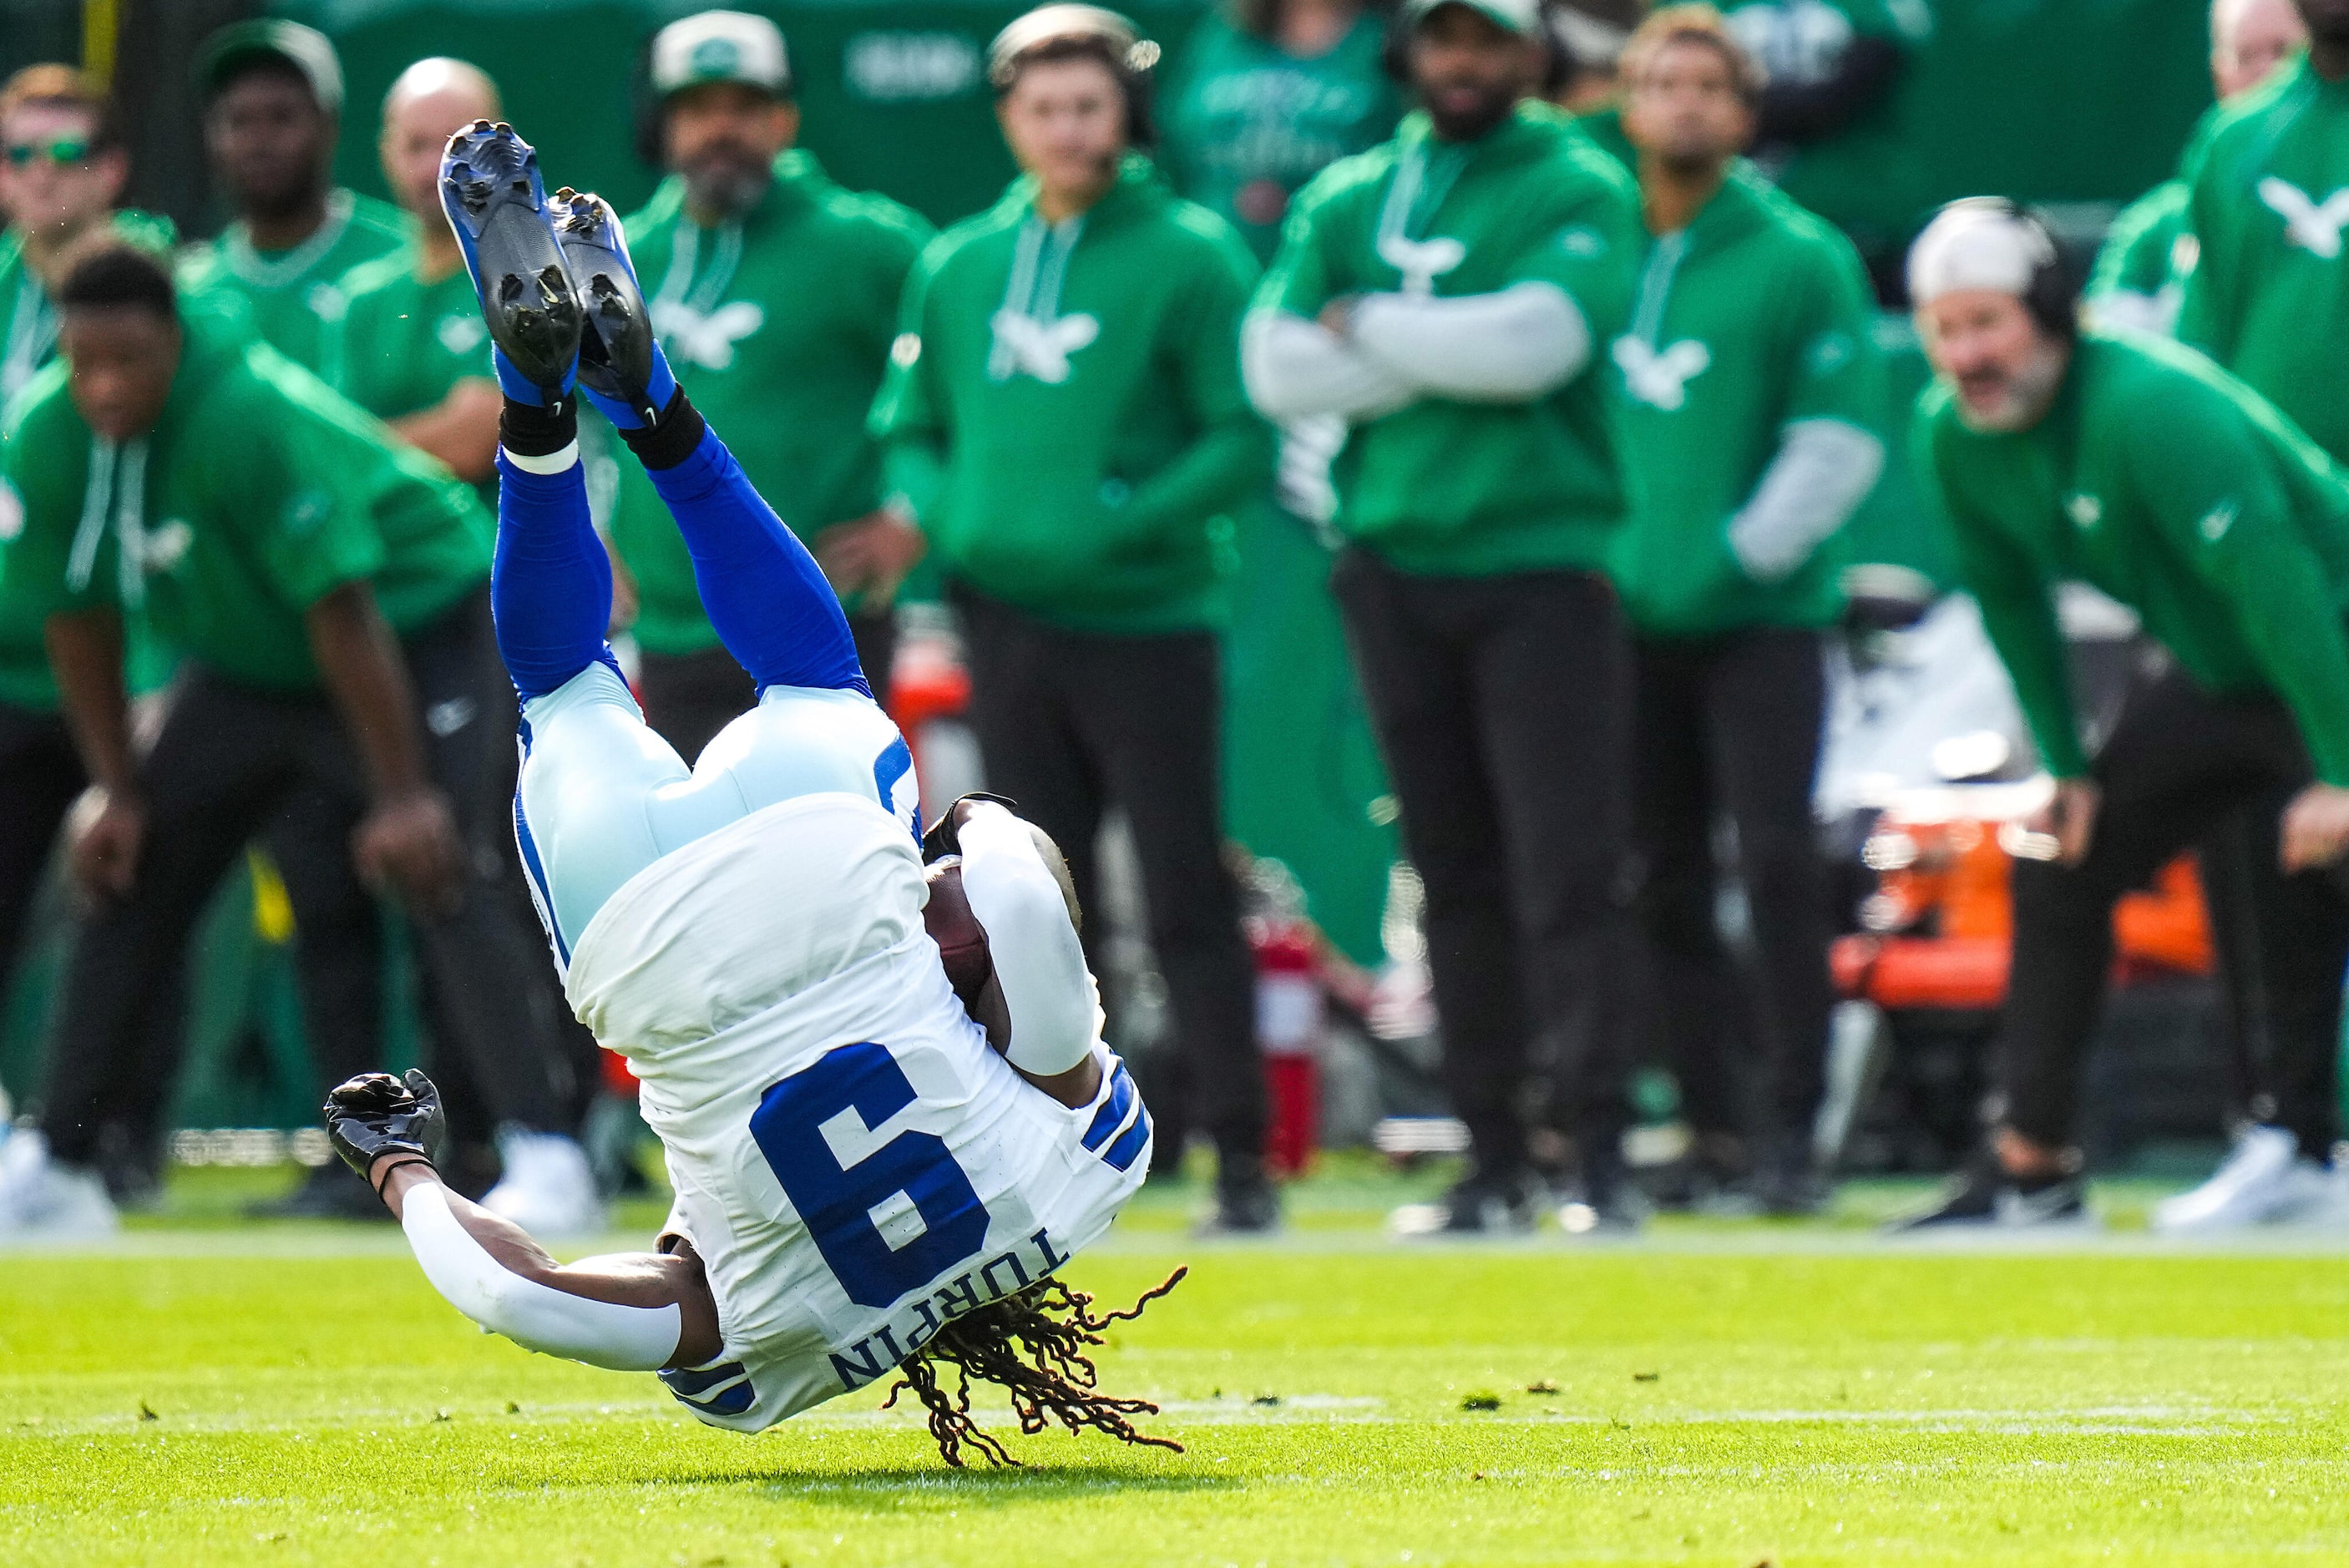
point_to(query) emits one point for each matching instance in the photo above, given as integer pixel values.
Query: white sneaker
(39, 1198)
(548, 1188)
(2265, 1180)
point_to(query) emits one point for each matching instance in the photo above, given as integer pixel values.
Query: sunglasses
(62, 149)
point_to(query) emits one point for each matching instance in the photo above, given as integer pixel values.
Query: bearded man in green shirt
(2145, 470)
(2141, 268)
(1750, 389)
(776, 294)
(273, 97)
(1066, 418)
(411, 349)
(328, 587)
(1448, 295)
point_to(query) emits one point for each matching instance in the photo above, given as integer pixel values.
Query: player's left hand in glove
(376, 1114)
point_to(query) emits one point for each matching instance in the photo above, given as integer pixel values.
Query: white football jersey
(853, 1162)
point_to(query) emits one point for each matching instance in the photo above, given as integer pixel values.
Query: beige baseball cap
(720, 46)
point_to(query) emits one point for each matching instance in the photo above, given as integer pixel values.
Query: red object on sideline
(1289, 1020)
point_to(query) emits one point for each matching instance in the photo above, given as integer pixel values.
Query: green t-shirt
(778, 324)
(1868, 179)
(1459, 489)
(2169, 484)
(1248, 124)
(1064, 408)
(1752, 318)
(2267, 183)
(295, 298)
(29, 340)
(258, 491)
(400, 343)
(2141, 268)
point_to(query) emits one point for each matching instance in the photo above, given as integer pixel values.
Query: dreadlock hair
(1033, 1343)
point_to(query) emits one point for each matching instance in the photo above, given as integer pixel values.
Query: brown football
(962, 948)
(962, 942)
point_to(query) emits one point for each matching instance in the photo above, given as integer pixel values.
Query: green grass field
(209, 1393)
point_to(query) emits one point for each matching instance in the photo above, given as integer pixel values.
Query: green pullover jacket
(1448, 487)
(259, 491)
(2268, 201)
(2176, 489)
(1064, 409)
(1751, 320)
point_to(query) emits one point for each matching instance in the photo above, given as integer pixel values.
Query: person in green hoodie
(1750, 390)
(776, 294)
(1449, 295)
(273, 97)
(2269, 296)
(1066, 418)
(62, 167)
(328, 587)
(2139, 278)
(2140, 467)
(1268, 94)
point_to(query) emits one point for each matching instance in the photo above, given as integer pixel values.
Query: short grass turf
(299, 1396)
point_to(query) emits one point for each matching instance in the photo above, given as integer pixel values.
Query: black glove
(944, 837)
(376, 1114)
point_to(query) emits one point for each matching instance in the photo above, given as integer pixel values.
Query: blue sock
(550, 581)
(520, 387)
(764, 594)
(659, 389)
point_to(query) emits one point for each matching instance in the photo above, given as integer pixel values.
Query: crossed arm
(1370, 355)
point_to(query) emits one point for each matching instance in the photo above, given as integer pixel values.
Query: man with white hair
(2146, 471)
(2141, 270)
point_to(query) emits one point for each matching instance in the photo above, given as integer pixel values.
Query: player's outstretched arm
(633, 1312)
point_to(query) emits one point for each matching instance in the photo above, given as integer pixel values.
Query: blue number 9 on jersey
(836, 1202)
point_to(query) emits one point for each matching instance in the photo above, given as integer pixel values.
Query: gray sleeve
(1824, 469)
(1298, 369)
(1509, 346)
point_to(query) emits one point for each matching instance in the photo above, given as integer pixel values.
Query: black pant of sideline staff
(1732, 724)
(2179, 759)
(1069, 725)
(1502, 707)
(40, 775)
(689, 697)
(232, 761)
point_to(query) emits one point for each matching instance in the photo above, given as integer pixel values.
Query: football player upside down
(868, 1179)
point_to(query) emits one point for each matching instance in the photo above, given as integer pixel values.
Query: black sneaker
(327, 1192)
(1604, 1202)
(1244, 1209)
(1984, 1198)
(1477, 1205)
(1787, 1185)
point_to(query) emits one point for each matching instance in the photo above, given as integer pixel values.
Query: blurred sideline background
(2075, 105)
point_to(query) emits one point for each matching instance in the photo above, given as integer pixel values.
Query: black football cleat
(620, 358)
(491, 192)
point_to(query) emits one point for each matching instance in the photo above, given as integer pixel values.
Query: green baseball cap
(1521, 17)
(306, 49)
